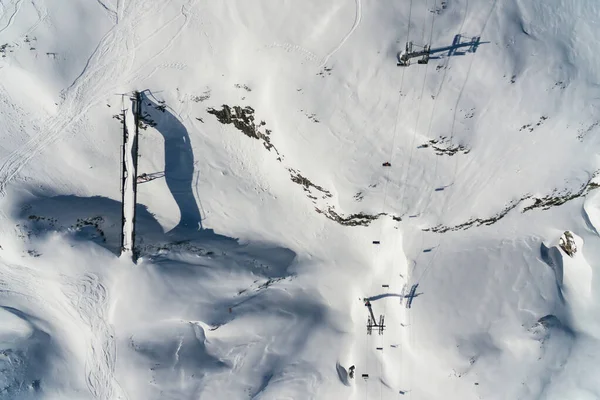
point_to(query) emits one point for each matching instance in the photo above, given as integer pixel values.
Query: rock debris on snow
(251, 261)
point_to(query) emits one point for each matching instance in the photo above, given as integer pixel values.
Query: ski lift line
(409, 20)
(418, 115)
(386, 183)
(397, 114)
(445, 205)
(394, 137)
(433, 113)
(411, 338)
(395, 130)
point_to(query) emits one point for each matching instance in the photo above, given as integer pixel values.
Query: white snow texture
(265, 129)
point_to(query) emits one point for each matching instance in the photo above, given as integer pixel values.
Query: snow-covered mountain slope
(266, 126)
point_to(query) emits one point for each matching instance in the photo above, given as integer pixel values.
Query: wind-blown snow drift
(256, 237)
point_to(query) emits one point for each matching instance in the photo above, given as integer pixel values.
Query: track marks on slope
(89, 298)
(111, 13)
(429, 265)
(357, 19)
(16, 7)
(243, 120)
(294, 48)
(42, 14)
(114, 55)
(85, 299)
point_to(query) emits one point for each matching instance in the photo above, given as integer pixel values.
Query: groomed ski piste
(282, 140)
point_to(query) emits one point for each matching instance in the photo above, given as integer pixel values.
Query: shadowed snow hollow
(313, 221)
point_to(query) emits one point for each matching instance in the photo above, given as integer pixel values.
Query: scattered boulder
(567, 243)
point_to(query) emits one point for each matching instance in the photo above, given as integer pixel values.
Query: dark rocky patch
(475, 221)
(532, 126)
(203, 97)
(545, 203)
(245, 87)
(559, 198)
(560, 85)
(439, 9)
(307, 185)
(325, 72)
(442, 146)
(312, 117)
(582, 133)
(360, 219)
(4, 48)
(567, 243)
(94, 222)
(243, 120)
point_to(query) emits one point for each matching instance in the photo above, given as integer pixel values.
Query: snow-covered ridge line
(130, 149)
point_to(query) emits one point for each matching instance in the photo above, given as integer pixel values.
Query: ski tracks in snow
(90, 300)
(112, 13)
(83, 300)
(357, 19)
(16, 7)
(113, 57)
(42, 14)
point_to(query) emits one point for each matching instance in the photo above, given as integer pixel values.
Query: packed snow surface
(293, 172)
(129, 178)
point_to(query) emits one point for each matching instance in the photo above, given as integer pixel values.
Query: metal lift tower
(371, 320)
(404, 58)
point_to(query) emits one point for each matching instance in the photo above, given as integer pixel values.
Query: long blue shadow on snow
(88, 219)
(179, 161)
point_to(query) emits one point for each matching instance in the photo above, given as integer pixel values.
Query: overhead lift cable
(427, 268)
(387, 177)
(446, 202)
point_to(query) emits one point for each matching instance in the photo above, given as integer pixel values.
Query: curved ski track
(42, 14)
(357, 19)
(89, 297)
(85, 299)
(113, 57)
(17, 5)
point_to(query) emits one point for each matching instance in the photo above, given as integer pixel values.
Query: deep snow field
(266, 124)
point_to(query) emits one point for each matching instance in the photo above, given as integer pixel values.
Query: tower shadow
(179, 161)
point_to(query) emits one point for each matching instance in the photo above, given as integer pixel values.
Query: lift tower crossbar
(404, 57)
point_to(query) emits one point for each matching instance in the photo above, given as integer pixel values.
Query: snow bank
(129, 179)
(256, 255)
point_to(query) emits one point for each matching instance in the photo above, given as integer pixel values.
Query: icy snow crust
(243, 289)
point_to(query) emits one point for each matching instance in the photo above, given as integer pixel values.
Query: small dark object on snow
(365, 376)
(387, 164)
(351, 374)
(375, 241)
